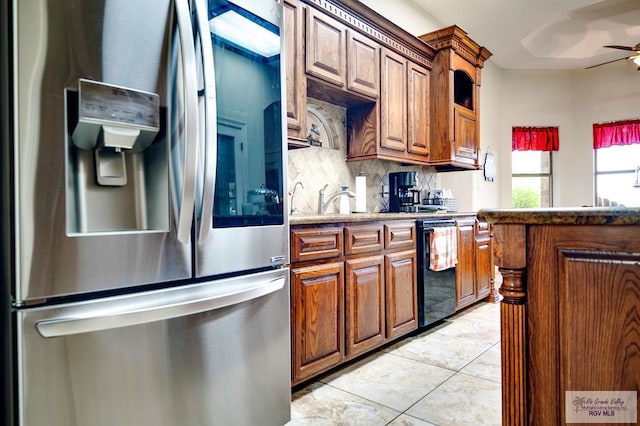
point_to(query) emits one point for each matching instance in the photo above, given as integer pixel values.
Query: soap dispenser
(344, 201)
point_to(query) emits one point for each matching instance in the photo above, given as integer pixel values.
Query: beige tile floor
(446, 375)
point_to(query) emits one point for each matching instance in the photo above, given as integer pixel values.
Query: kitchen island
(570, 313)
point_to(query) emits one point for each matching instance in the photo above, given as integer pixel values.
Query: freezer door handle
(155, 306)
(190, 154)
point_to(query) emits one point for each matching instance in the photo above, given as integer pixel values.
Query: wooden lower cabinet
(365, 301)
(317, 317)
(474, 271)
(401, 288)
(484, 263)
(347, 301)
(465, 269)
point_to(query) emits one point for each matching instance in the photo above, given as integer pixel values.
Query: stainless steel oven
(436, 289)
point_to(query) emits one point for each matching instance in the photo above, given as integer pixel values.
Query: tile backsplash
(314, 167)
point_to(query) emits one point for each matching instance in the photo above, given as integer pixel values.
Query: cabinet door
(400, 293)
(483, 268)
(364, 304)
(418, 114)
(393, 102)
(363, 64)
(326, 45)
(465, 118)
(296, 78)
(317, 317)
(465, 133)
(465, 269)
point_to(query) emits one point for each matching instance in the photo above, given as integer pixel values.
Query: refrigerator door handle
(210, 137)
(187, 196)
(166, 304)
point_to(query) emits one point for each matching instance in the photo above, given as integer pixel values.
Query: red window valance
(623, 132)
(534, 139)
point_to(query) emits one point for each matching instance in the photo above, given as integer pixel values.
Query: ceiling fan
(635, 57)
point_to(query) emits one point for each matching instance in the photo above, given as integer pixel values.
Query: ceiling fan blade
(615, 46)
(608, 62)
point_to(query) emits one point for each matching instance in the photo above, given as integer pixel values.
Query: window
(531, 181)
(616, 176)
(617, 163)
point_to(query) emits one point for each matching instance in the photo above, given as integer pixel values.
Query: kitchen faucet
(323, 205)
(293, 194)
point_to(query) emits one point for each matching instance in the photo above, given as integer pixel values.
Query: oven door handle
(154, 306)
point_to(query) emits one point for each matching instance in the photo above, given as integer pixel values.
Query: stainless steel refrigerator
(144, 227)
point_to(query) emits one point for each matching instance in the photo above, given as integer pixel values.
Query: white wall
(607, 93)
(406, 15)
(573, 101)
(535, 98)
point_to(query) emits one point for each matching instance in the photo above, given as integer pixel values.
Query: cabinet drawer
(316, 243)
(363, 239)
(400, 235)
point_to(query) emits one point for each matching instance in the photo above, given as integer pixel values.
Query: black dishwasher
(436, 289)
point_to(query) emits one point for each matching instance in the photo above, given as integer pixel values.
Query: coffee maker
(403, 197)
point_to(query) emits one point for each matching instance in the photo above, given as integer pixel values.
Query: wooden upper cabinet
(325, 48)
(404, 112)
(343, 57)
(295, 72)
(465, 131)
(363, 64)
(455, 105)
(418, 110)
(346, 54)
(393, 103)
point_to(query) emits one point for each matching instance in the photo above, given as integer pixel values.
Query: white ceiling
(544, 34)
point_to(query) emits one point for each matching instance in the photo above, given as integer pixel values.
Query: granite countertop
(563, 216)
(304, 219)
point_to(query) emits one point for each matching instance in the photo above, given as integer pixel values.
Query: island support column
(510, 256)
